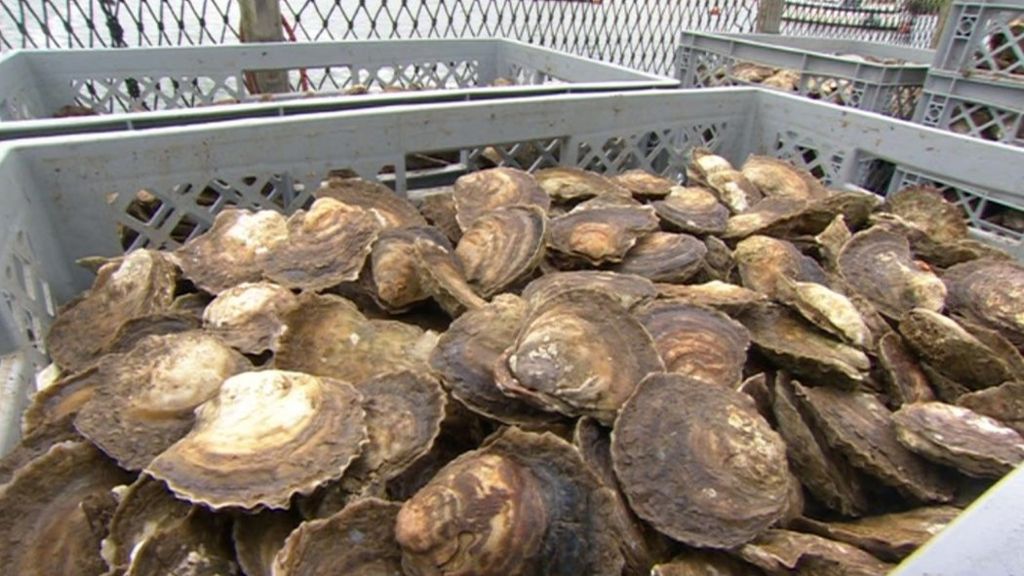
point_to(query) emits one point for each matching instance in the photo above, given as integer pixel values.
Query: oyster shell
(480, 192)
(466, 353)
(828, 310)
(563, 183)
(729, 185)
(134, 331)
(145, 509)
(889, 537)
(784, 551)
(643, 184)
(704, 563)
(35, 444)
(56, 509)
(502, 248)
(719, 263)
(233, 250)
(776, 178)
(905, 381)
(140, 284)
(359, 540)
(198, 544)
(390, 210)
(599, 231)
(326, 245)
(578, 353)
(629, 289)
(955, 436)
(664, 257)
(265, 436)
(924, 208)
(877, 264)
(692, 209)
(862, 428)
(250, 316)
(697, 342)
(1005, 403)
(146, 398)
(395, 269)
(443, 278)
(523, 503)
(989, 292)
(439, 210)
(729, 298)
(259, 537)
(764, 262)
(790, 217)
(60, 401)
(717, 477)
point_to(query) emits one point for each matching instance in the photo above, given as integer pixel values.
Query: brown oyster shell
(703, 344)
(564, 183)
(480, 192)
(642, 184)
(827, 309)
(328, 336)
(145, 508)
(629, 289)
(35, 444)
(390, 210)
(442, 277)
(439, 210)
(717, 476)
(877, 264)
(395, 269)
(60, 401)
(134, 331)
(989, 292)
(56, 509)
(465, 356)
(524, 503)
(358, 541)
(664, 257)
(1005, 403)
(692, 209)
(198, 544)
(791, 217)
(327, 245)
(729, 298)
(578, 353)
(905, 381)
(146, 398)
(259, 537)
(265, 436)
(764, 262)
(233, 250)
(955, 436)
(140, 284)
(704, 563)
(889, 537)
(779, 178)
(250, 316)
(599, 231)
(719, 263)
(716, 174)
(784, 551)
(861, 427)
(924, 207)
(502, 248)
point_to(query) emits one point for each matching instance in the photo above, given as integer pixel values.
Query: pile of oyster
(551, 374)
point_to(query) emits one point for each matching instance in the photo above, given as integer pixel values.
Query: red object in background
(716, 11)
(905, 28)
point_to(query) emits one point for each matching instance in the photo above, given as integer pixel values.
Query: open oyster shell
(146, 398)
(390, 210)
(265, 436)
(890, 537)
(788, 552)
(989, 292)
(502, 248)
(629, 289)
(955, 436)
(601, 231)
(140, 284)
(664, 257)
(523, 503)
(250, 316)
(359, 540)
(693, 210)
(1005, 403)
(578, 353)
(480, 192)
(643, 184)
(716, 478)
(701, 343)
(716, 173)
(564, 183)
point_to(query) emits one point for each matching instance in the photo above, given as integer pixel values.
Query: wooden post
(769, 16)
(261, 22)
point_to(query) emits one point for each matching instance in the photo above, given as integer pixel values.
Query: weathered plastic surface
(886, 87)
(64, 198)
(978, 106)
(196, 81)
(976, 39)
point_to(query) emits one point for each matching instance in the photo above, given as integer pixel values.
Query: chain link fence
(635, 33)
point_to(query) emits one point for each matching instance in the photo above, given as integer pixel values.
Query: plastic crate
(864, 75)
(183, 85)
(983, 38)
(975, 106)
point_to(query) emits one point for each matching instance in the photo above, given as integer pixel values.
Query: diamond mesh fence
(635, 33)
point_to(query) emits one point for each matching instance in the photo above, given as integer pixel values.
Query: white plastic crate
(65, 198)
(136, 88)
(863, 75)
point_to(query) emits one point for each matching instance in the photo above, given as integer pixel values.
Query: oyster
(664, 257)
(265, 436)
(1005, 403)
(719, 263)
(35, 444)
(328, 336)
(831, 240)
(784, 551)
(198, 544)
(729, 298)
(395, 270)
(60, 401)
(563, 183)
(924, 208)
(259, 537)
(629, 289)
(250, 316)
(439, 210)
(502, 248)
(776, 178)
(134, 331)
(146, 398)
(600, 231)
(828, 310)
(704, 563)
(466, 353)
(359, 540)
(861, 427)
(989, 292)
(480, 192)
(577, 353)
(693, 210)
(56, 509)
(643, 184)
(326, 245)
(523, 503)
(140, 284)
(955, 436)
(390, 210)
(697, 342)
(789, 217)
(717, 476)
(764, 262)
(877, 264)
(145, 508)
(233, 250)
(905, 380)
(443, 278)
(890, 537)
(729, 185)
